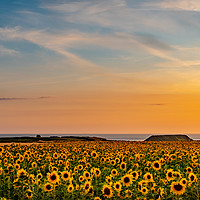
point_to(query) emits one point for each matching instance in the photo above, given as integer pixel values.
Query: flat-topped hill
(168, 138)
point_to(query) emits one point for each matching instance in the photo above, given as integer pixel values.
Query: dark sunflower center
(184, 182)
(170, 174)
(53, 177)
(126, 180)
(87, 186)
(107, 191)
(94, 154)
(123, 166)
(65, 175)
(48, 187)
(29, 194)
(97, 172)
(148, 177)
(87, 175)
(178, 187)
(117, 186)
(134, 174)
(192, 178)
(156, 165)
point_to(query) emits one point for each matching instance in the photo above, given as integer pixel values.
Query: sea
(119, 137)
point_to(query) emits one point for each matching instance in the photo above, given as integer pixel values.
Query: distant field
(100, 170)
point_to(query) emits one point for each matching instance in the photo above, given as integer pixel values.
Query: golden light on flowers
(29, 194)
(135, 175)
(117, 186)
(127, 179)
(53, 177)
(78, 173)
(94, 154)
(156, 165)
(70, 188)
(65, 175)
(144, 190)
(48, 187)
(183, 181)
(123, 166)
(86, 174)
(34, 164)
(192, 177)
(148, 177)
(114, 172)
(107, 191)
(177, 188)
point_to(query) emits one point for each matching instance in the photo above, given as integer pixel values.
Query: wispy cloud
(157, 104)
(6, 51)
(21, 98)
(192, 5)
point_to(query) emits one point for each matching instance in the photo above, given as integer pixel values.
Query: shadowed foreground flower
(48, 187)
(177, 188)
(107, 191)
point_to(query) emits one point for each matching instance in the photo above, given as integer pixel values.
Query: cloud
(6, 51)
(19, 98)
(191, 5)
(157, 104)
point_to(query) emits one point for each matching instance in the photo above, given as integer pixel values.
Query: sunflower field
(100, 170)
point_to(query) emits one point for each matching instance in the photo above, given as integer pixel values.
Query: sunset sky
(99, 66)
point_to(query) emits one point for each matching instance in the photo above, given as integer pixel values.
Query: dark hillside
(168, 138)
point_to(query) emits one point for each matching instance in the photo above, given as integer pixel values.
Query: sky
(99, 66)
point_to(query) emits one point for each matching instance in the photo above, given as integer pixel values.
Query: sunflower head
(107, 191)
(177, 188)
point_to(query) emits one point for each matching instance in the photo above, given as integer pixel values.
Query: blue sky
(87, 48)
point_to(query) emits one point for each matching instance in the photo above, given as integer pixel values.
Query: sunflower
(97, 172)
(70, 188)
(117, 186)
(189, 169)
(86, 175)
(135, 175)
(39, 176)
(109, 179)
(80, 167)
(65, 175)
(114, 172)
(156, 165)
(107, 191)
(81, 178)
(21, 173)
(123, 166)
(177, 174)
(112, 162)
(97, 198)
(169, 175)
(148, 176)
(53, 177)
(127, 179)
(128, 194)
(94, 154)
(144, 190)
(192, 178)
(29, 194)
(48, 187)
(87, 186)
(55, 155)
(117, 160)
(34, 164)
(183, 181)
(17, 166)
(177, 188)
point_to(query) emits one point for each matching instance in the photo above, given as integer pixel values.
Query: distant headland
(169, 138)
